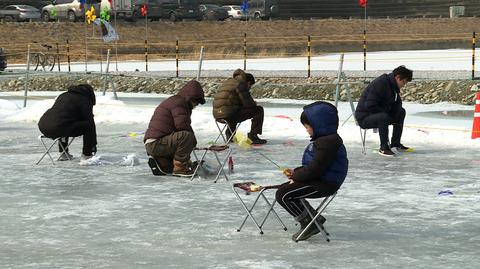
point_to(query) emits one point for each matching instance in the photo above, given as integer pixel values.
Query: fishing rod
(285, 171)
(268, 159)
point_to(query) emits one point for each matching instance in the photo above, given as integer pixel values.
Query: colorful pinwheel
(90, 14)
(53, 13)
(105, 14)
(143, 10)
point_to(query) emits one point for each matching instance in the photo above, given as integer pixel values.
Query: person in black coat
(324, 166)
(380, 105)
(70, 116)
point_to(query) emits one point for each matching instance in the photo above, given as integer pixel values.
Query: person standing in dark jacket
(169, 138)
(380, 105)
(70, 116)
(324, 166)
(234, 103)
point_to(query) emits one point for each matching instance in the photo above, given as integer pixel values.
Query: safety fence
(244, 48)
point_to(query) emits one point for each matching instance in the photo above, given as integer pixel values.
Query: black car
(173, 10)
(213, 12)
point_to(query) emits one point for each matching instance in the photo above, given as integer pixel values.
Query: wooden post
(146, 56)
(473, 56)
(364, 50)
(27, 77)
(58, 57)
(200, 61)
(308, 55)
(68, 55)
(176, 57)
(245, 51)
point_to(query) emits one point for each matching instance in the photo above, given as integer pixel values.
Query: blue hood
(323, 118)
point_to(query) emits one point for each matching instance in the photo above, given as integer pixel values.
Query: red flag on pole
(362, 3)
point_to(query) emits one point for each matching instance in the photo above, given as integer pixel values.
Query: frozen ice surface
(388, 213)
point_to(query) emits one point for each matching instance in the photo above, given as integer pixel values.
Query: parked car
(3, 59)
(234, 12)
(34, 3)
(262, 9)
(173, 10)
(19, 13)
(69, 9)
(213, 12)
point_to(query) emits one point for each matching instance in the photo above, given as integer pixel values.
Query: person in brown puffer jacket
(169, 138)
(234, 103)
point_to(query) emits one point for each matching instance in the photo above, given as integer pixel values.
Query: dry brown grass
(225, 39)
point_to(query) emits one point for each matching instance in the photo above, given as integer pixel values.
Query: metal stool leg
(199, 162)
(271, 210)
(64, 150)
(222, 129)
(323, 205)
(249, 211)
(363, 137)
(47, 150)
(222, 164)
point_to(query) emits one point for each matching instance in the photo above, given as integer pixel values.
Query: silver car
(68, 9)
(19, 13)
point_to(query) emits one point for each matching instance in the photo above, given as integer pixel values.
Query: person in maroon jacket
(169, 138)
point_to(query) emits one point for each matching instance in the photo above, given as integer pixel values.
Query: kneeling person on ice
(324, 166)
(170, 138)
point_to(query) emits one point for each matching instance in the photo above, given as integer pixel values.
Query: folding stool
(42, 138)
(249, 188)
(323, 205)
(216, 149)
(223, 129)
(364, 137)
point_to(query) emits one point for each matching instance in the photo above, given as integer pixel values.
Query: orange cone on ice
(476, 118)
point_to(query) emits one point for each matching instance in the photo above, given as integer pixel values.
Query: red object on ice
(230, 164)
(283, 117)
(476, 118)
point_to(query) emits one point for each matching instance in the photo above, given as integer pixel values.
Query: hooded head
(250, 78)
(85, 90)
(322, 117)
(192, 91)
(239, 74)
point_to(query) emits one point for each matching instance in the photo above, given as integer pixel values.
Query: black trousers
(289, 196)
(86, 129)
(381, 121)
(255, 113)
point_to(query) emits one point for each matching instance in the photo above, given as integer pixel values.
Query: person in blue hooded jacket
(324, 166)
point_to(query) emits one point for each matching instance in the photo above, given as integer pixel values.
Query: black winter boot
(256, 140)
(312, 230)
(321, 219)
